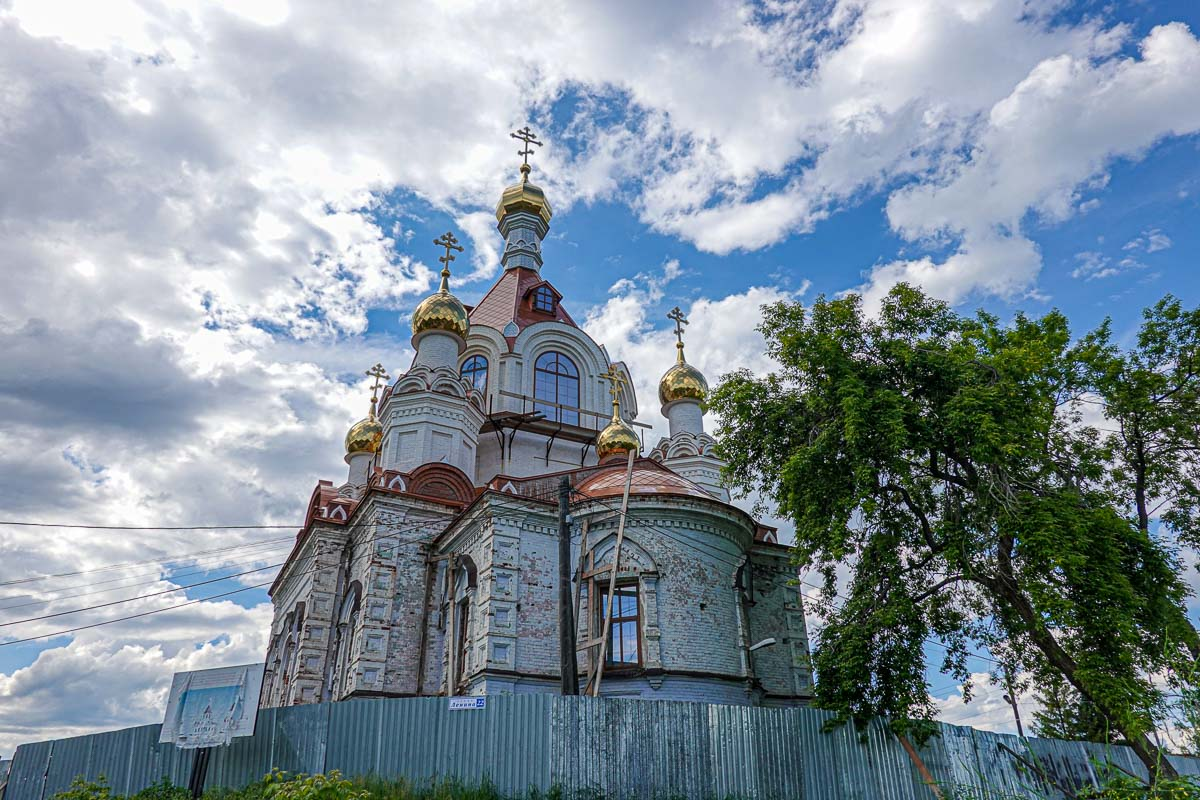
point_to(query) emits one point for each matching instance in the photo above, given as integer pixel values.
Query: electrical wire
(185, 587)
(159, 560)
(144, 527)
(387, 533)
(158, 576)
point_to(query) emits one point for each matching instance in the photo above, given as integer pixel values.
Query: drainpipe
(743, 621)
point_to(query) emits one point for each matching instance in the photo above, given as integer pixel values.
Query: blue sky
(217, 217)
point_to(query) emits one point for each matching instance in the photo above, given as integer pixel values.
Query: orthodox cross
(616, 382)
(448, 241)
(378, 373)
(676, 316)
(528, 137)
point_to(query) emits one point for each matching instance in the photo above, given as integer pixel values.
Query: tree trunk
(1003, 589)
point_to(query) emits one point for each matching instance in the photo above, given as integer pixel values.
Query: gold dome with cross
(618, 437)
(365, 435)
(442, 311)
(523, 195)
(682, 381)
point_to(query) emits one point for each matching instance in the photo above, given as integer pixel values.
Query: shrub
(329, 786)
(82, 789)
(1127, 787)
(163, 790)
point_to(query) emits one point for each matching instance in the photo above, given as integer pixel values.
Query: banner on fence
(209, 707)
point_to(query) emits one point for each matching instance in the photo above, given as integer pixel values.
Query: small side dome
(524, 196)
(441, 311)
(617, 438)
(364, 436)
(682, 382)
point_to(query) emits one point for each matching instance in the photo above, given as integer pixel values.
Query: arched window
(475, 370)
(543, 300)
(556, 380)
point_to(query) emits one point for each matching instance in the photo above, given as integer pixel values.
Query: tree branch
(937, 587)
(926, 528)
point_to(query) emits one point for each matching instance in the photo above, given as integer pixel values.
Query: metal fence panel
(150, 761)
(1001, 777)
(950, 757)
(291, 739)
(69, 759)
(356, 738)
(513, 751)
(30, 762)
(634, 748)
(606, 746)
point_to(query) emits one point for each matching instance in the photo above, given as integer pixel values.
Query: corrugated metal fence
(609, 747)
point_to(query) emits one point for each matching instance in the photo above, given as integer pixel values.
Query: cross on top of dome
(676, 316)
(616, 382)
(380, 375)
(529, 138)
(449, 241)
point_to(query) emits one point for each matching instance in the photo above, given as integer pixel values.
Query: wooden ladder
(599, 639)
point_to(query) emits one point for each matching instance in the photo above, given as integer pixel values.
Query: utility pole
(566, 616)
(1011, 699)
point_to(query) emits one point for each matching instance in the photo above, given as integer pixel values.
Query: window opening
(475, 369)
(624, 637)
(556, 380)
(543, 300)
(464, 620)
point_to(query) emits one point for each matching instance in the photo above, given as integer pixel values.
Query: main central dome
(524, 196)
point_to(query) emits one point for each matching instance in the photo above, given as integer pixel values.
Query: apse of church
(433, 569)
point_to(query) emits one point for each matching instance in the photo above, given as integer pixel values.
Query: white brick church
(433, 569)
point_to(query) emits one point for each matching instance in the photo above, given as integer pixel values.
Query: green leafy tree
(1064, 714)
(946, 459)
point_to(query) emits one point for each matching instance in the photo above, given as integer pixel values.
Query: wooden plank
(612, 580)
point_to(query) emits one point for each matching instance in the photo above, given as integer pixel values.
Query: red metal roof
(647, 478)
(508, 301)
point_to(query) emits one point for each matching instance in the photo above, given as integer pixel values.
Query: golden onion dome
(441, 311)
(524, 196)
(682, 382)
(617, 437)
(365, 435)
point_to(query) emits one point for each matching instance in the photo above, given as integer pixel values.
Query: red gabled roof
(507, 302)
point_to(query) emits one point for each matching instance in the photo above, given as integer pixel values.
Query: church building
(433, 569)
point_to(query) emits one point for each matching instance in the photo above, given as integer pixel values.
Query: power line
(158, 576)
(146, 527)
(139, 597)
(211, 597)
(134, 616)
(385, 533)
(158, 560)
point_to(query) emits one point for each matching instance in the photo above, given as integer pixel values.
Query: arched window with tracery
(555, 384)
(475, 370)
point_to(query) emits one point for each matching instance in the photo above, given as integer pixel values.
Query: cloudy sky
(213, 219)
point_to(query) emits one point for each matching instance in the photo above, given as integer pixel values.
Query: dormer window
(543, 300)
